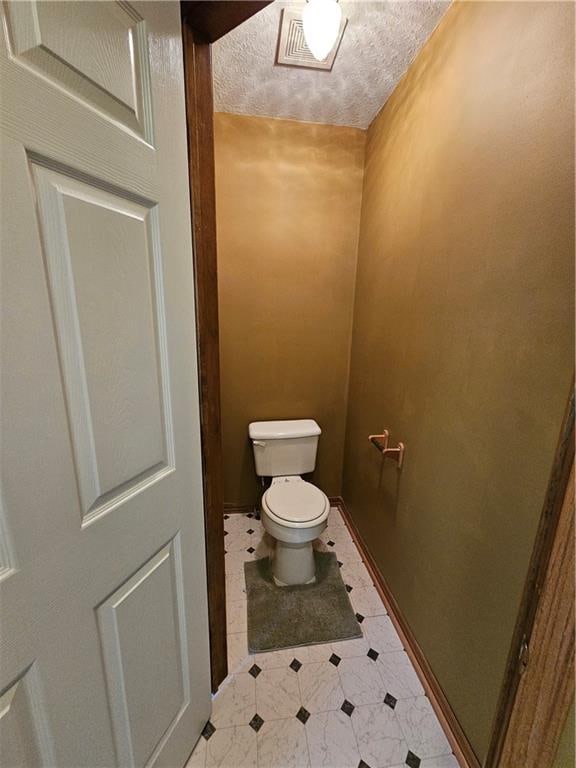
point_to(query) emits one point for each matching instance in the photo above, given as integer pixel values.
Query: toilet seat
(295, 502)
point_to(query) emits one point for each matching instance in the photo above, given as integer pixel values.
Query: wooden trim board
(215, 18)
(546, 687)
(546, 548)
(202, 23)
(456, 736)
(239, 509)
(199, 117)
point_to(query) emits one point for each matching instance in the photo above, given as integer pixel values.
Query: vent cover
(292, 48)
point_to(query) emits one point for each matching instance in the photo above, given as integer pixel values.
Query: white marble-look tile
(232, 748)
(348, 649)
(235, 541)
(239, 660)
(379, 736)
(308, 654)
(198, 757)
(234, 561)
(421, 728)
(367, 602)
(331, 741)
(282, 744)
(335, 517)
(235, 702)
(320, 687)
(381, 634)
(235, 587)
(334, 523)
(445, 761)
(361, 681)
(348, 553)
(236, 616)
(277, 694)
(337, 534)
(274, 659)
(398, 675)
(355, 574)
(264, 544)
(238, 523)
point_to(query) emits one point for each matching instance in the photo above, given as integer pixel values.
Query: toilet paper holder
(381, 443)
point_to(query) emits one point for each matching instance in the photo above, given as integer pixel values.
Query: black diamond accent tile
(302, 714)
(412, 760)
(372, 654)
(295, 665)
(249, 514)
(250, 530)
(331, 543)
(348, 587)
(334, 659)
(362, 764)
(359, 618)
(225, 533)
(339, 564)
(208, 730)
(390, 700)
(250, 549)
(254, 670)
(347, 707)
(226, 517)
(225, 551)
(256, 723)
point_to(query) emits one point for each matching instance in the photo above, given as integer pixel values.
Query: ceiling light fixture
(321, 21)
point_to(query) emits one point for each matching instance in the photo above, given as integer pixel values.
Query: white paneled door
(104, 636)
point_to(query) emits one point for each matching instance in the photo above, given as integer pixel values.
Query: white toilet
(294, 511)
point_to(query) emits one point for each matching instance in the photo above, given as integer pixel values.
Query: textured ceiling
(380, 41)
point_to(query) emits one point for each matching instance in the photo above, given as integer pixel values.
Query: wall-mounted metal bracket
(381, 443)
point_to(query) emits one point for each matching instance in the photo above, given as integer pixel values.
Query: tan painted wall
(288, 207)
(463, 330)
(566, 755)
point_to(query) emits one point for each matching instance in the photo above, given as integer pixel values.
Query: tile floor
(350, 704)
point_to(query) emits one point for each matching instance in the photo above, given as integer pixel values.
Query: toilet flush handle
(261, 443)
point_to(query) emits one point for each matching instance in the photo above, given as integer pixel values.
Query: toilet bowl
(294, 513)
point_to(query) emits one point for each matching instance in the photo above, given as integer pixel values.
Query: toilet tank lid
(282, 430)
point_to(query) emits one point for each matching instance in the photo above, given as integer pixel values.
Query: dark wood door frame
(202, 24)
(212, 19)
(531, 715)
(546, 689)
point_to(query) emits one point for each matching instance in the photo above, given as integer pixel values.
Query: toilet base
(293, 564)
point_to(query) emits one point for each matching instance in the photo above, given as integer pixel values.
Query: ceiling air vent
(292, 48)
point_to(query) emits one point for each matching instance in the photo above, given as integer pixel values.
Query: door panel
(95, 50)
(104, 639)
(101, 247)
(23, 734)
(143, 637)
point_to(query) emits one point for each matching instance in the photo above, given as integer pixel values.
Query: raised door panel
(7, 559)
(143, 636)
(95, 50)
(103, 260)
(24, 733)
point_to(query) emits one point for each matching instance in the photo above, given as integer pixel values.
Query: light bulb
(321, 22)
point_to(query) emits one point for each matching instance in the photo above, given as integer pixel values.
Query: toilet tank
(284, 447)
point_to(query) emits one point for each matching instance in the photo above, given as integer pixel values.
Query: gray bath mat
(285, 617)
